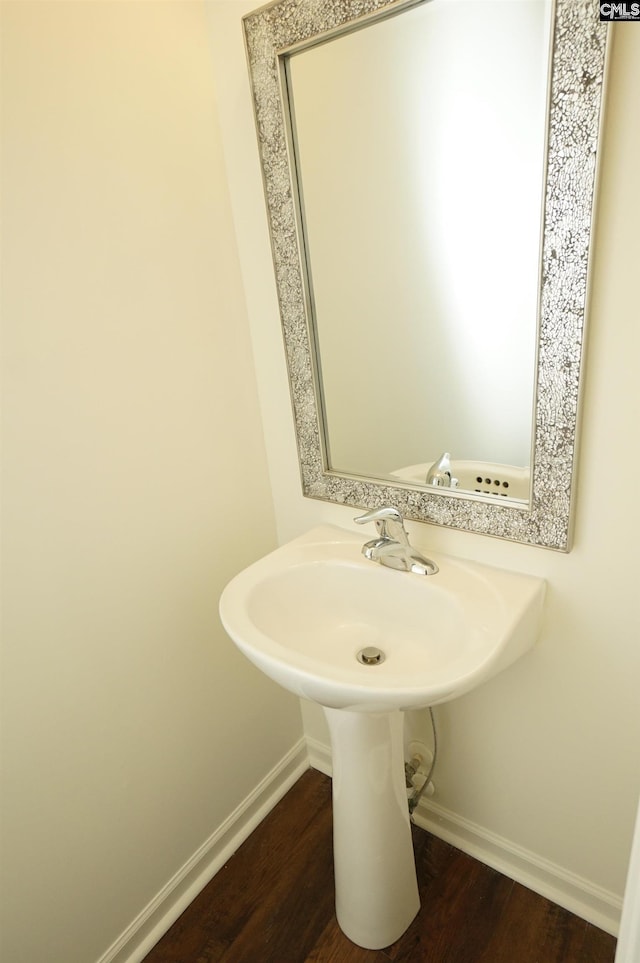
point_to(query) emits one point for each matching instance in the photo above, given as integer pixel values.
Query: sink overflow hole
(371, 655)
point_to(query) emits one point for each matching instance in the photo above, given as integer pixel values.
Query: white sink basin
(303, 613)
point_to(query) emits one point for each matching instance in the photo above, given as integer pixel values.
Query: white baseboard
(628, 948)
(156, 918)
(574, 893)
(319, 756)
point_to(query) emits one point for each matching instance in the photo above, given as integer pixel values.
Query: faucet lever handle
(379, 513)
(389, 522)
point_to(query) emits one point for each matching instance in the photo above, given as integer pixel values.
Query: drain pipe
(412, 767)
(372, 655)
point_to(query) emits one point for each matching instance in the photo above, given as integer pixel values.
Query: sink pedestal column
(375, 876)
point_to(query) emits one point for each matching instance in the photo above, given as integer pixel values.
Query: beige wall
(135, 476)
(546, 755)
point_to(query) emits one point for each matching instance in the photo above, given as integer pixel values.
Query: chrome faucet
(439, 475)
(392, 547)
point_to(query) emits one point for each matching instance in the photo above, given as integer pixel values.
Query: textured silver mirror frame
(576, 96)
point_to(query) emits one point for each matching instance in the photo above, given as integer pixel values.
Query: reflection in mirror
(406, 213)
(422, 231)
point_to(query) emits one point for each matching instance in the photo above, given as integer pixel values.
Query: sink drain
(371, 655)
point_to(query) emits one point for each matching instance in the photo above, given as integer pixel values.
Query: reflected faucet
(439, 475)
(392, 547)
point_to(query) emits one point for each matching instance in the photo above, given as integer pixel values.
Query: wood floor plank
(273, 902)
(564, 935)
(334, 947)
(288, 921)
(535, 930)
(460, 900)
(248, 884)
(597, 946)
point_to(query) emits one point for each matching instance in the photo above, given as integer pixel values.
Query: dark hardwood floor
(273, 903)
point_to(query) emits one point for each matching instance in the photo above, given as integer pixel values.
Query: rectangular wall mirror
(429, 172)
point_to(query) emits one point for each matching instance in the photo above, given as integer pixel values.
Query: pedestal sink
(305, 613)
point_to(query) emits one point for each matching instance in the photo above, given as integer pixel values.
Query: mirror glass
(429, 170)
(419, 145)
